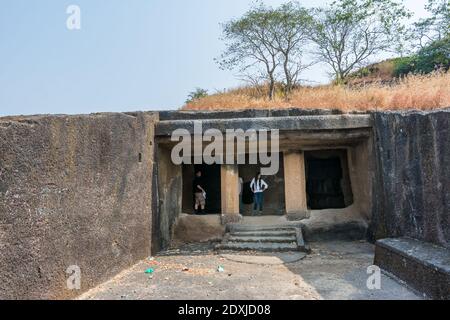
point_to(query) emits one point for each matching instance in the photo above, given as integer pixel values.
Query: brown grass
(422, 92)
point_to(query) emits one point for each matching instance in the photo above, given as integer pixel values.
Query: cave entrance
(274, 199)
(327, 179)
(211, 180)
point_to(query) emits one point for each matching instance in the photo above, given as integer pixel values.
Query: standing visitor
(199, 193)
(258, 186)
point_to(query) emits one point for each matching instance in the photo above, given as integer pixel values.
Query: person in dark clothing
(199, 194)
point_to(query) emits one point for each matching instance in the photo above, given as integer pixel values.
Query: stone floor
(334, 270)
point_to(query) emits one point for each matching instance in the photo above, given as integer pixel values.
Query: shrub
(404, 66)
(199, 93)
(434, 57)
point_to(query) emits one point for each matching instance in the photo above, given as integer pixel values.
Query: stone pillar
(295, 185)
(229, 176)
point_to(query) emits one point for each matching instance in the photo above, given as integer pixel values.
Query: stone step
(277, 239)
(257, 246)
(263, 238)
(264, 233)
(423, 266)
(250, 228)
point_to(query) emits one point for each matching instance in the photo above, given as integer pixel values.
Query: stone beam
(323, 122)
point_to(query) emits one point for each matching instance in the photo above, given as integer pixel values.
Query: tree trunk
(340, 78)
(271, 89)
(287, 74)
(288, 88)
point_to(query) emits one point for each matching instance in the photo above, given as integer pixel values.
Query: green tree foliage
(250, 48)
(437, 26)
(435, 56)
(265, 39)
(290, 27)
(349, 32)
(267, 45)
(197, 94)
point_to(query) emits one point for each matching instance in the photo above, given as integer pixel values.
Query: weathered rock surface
(287, 123)
(424, 266)
(245, 113)
(412, 183)
(74, 190)
(198, 228)
(82, 190)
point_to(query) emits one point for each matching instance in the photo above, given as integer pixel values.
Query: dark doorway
(327, 180)
(274, 200)
(212, 186)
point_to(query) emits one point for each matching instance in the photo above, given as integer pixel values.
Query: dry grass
(413, 92)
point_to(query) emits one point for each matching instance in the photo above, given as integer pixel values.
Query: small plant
(431, 58)
(199, 93)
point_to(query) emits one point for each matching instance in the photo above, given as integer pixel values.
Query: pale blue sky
(128, 55)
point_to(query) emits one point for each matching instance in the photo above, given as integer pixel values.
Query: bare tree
(290, 26)
(436, 27)
(349, 32)
(250, 48)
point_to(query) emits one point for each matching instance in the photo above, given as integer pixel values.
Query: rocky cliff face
(412, 180)
(74, 190)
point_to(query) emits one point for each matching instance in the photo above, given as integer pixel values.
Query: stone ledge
(345, 230)
(314, 123)
(198, 228)
(243, 113)
(423, 266)
(297, 216)
(230, 218)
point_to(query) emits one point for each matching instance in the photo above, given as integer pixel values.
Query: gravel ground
(334, 270)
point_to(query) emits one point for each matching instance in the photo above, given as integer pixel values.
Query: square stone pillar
(295, 185)
(229, 176)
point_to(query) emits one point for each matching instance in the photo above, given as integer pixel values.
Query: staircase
(263, 238)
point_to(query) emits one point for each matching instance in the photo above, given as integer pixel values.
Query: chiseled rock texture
(412, 184)
(424, 266)
(74, 190)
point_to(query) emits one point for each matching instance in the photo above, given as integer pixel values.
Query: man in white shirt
(258, 187)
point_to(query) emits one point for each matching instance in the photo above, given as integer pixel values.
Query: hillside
(383, 72)
(418, 81)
